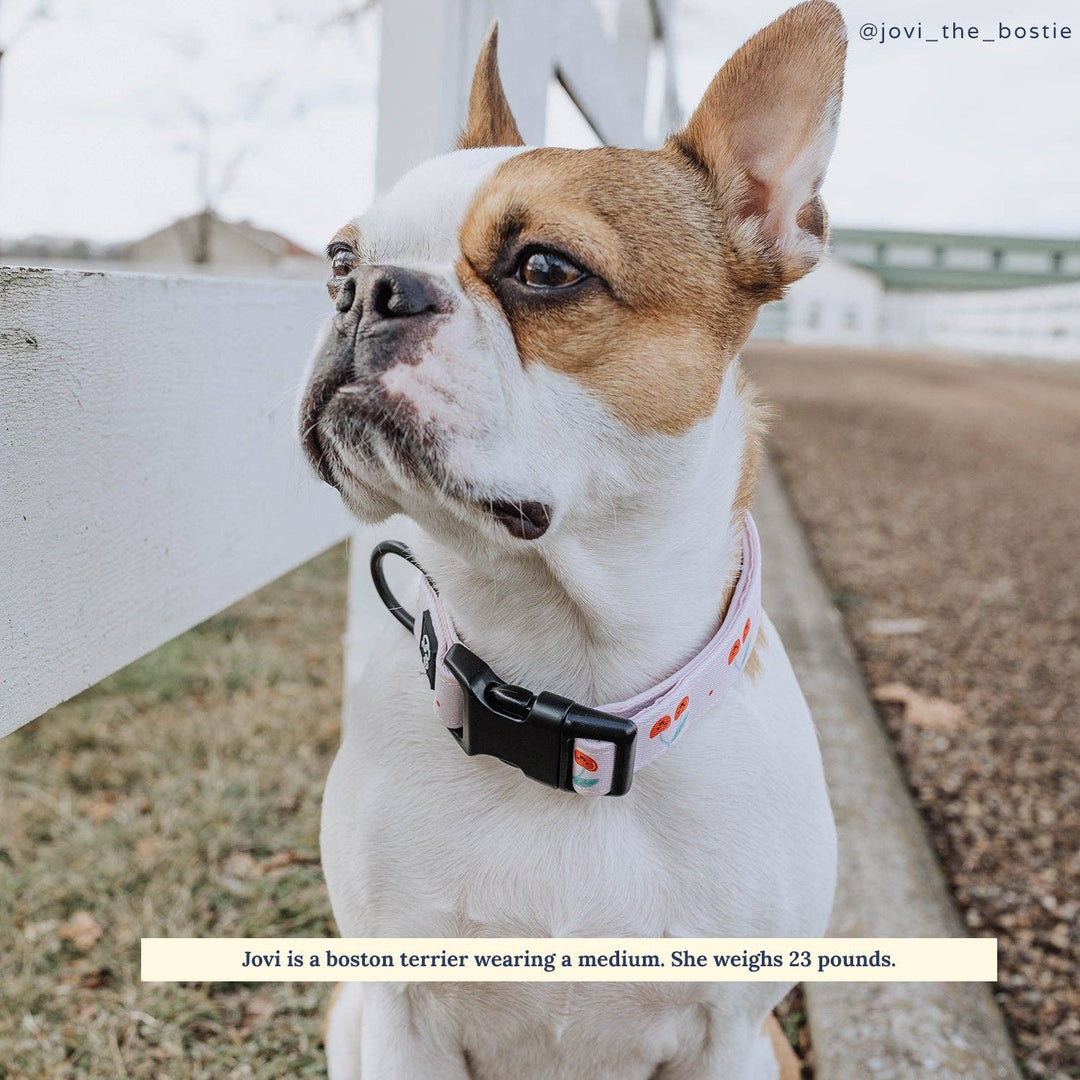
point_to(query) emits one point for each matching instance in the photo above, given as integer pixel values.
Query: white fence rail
(149, 470)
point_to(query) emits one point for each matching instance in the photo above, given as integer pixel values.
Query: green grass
(178, 797)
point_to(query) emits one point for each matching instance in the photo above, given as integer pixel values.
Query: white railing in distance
(1036, 323)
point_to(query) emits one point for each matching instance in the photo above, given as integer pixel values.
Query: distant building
(41, 250)
(200, 243)
(922, 260)
(208, 242)
(838, 302)
(916, 290)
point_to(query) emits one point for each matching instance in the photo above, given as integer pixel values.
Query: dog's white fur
(730, 834)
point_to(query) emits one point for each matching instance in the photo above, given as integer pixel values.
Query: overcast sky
(98, 104)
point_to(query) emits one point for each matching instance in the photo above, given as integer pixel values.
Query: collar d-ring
(382, 587)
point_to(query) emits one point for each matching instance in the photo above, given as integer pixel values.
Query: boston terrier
(533, 353)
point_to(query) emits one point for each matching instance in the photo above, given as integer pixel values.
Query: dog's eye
(342, 262)
(549, 270)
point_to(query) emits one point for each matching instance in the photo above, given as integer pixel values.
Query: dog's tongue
(525, 520)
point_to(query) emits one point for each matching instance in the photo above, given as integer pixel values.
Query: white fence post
(427, 56)
(429, 48)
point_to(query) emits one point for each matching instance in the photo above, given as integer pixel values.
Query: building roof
(77, 248)
(1004, 267)
(1066, 245)
(273, 242)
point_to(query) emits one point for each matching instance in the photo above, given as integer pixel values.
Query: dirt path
(942, 499)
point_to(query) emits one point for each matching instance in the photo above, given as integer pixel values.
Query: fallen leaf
(936, 713)
(240, 865)
(82, 930)
(258, 1009)
(893, 693)
(88, 976)
(284, 858)
(147, 848)
(921, 710)
(36, 930)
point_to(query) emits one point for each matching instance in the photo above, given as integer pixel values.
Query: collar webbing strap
(589, 751)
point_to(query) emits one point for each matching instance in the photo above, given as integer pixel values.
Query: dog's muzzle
(385, 315)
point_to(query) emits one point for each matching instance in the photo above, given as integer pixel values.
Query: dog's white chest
(729, 834)
(419, 839)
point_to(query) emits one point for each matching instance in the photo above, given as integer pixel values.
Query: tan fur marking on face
(472, 284)
(673, 296)
(490, 121)
(349, 233)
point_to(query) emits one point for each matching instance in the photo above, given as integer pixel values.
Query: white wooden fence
(149, 472)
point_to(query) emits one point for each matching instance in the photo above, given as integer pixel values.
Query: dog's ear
(490, 121)
(765, 129)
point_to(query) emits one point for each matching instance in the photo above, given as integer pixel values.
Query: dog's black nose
(373, 293)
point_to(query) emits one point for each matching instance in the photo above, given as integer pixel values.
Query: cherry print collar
(556, 740)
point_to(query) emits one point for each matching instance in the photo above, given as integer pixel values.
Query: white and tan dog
(534, 355)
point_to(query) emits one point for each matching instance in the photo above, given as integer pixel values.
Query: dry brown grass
(179, 797)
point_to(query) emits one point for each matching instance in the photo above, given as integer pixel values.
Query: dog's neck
(604, 612)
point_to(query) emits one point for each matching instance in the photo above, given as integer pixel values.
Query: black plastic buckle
(533, 732)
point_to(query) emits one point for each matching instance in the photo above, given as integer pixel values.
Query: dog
(533, 353)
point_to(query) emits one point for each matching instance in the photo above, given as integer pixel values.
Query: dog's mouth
(357, 422)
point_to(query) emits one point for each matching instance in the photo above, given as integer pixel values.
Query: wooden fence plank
(606, 79)
(429, 49)
(150, 472)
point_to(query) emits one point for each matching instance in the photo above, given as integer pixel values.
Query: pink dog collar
(553, 739)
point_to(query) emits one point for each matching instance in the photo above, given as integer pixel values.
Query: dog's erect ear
(490, 121)
(765, 129)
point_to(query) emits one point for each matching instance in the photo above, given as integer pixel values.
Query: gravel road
(942, 500)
